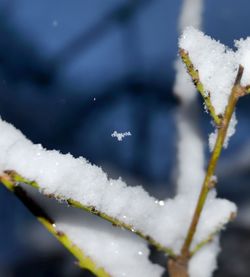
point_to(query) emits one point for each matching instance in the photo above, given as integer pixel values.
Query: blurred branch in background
(121, 15)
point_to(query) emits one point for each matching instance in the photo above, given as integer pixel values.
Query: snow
(203, 263)
(120, 136)
(70, 178)
(183, 86)
(243, 58)
(119, 252)
(217, 66)
(125, 253)
(191, 14)
(190, 154)
(190, 143)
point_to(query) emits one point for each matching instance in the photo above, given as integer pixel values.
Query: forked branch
(236, 93)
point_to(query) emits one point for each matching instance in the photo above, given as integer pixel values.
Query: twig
(83, 261)
(210, 237)
(17, 178)
(193, 72)
(237, 91)
(178, 266)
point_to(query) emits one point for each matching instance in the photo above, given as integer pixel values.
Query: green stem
(237, 91)
(194, 73)
(17, 178)
(84, 261)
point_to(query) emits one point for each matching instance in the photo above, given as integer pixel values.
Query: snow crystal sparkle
(120, 136)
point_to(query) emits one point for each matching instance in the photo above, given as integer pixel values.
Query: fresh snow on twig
(190, 154)
(217, 66)
(119, 252)
(120, 136)
(67, 177)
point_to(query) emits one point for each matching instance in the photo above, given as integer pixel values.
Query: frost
(120, 136)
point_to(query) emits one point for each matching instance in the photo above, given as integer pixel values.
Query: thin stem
(236, 92)
(83, 261)
(210, 237)
(194, 73)
(202, 243)
(17, 178)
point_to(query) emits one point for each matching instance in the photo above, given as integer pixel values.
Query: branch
(84, 261)
(194, 73)
(209, 237)
(15, 178)
(236, 93)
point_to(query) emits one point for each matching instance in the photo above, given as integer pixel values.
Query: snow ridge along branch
(13, 178)
(84, 261)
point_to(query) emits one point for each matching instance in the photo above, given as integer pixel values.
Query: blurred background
(73, 72)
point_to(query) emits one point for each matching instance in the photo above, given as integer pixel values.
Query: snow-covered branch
(86, 186)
